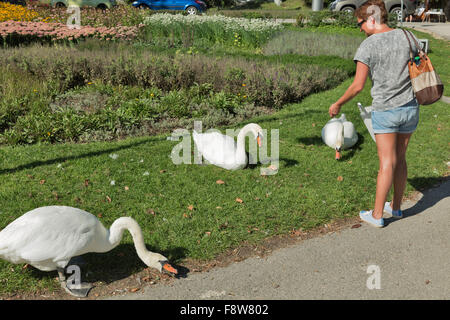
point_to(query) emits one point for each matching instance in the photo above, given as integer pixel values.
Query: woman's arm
(362, 71)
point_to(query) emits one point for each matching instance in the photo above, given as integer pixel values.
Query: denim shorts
(403, 119)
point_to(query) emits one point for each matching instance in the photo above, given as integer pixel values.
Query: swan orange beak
(169, 268)
(258, 139)
(338, 155)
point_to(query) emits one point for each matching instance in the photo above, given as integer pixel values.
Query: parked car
(392, 6)
(100, 4)
(189, 6)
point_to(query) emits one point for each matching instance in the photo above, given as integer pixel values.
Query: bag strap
(410, 47)
(419, 48)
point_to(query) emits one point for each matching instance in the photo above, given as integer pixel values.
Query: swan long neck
(126, 223)
(340, 135)
(241, 141)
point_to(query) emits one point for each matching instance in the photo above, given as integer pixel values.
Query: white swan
(339, 134)
(48, 237)
(221, 150)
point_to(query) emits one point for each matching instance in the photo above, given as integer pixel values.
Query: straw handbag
(425, 81)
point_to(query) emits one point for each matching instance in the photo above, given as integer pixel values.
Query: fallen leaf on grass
(42, 181)
(86, 182)
(162, 171)
(208, 233)
(126, 188)
(239, 200)
(220, 181)
(340, 178)
(151, 211)
(109, 199)
(100, 215)
(190, 207)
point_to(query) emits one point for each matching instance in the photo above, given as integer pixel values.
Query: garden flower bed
(15, 32)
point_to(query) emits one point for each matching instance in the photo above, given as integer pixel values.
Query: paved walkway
(438, 30)
(410, 259)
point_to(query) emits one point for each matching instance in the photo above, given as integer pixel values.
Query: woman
(383, 56)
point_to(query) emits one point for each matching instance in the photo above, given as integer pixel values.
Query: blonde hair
(373, 8)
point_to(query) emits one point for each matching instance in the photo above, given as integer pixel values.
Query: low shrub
(268, 84)
(313, 44)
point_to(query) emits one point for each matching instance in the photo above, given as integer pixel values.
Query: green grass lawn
(310, 189)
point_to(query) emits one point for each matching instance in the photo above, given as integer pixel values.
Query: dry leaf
(100, 215)
(218, 207)
(208, 233)
(162, 171)
(126, 188)
(186, 215)
(313, 124)
(340, 178)
(42, 181)
(146, 279)
(134, 289)
(239, 200)
(109, 199)
(220, 181)
(151, 211)
(86, 182)
(356, 225)
(190, 207)
(30, 176)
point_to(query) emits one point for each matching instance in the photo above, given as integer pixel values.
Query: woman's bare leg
(387, 155)
(401, 170)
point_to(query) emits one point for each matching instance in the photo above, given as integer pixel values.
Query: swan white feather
(222, 150)
(339, 134)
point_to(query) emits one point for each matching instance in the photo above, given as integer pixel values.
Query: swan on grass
(221, 150)
(48, 237)
(339, 134)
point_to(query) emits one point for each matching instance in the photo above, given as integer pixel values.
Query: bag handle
(419, 49)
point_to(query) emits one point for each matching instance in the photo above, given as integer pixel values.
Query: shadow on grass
(434, 189)
(35, 164)
(317, 141)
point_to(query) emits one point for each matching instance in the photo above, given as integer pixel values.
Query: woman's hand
(334, 110)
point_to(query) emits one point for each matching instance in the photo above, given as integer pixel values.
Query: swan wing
(216, 148)
(329, 132)
(350, 135)
(48, 234)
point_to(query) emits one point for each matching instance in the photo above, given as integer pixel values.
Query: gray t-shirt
(387, 54)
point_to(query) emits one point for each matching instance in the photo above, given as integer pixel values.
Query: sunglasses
(361, 23)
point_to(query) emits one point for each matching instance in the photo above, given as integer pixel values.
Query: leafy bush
(313, 44)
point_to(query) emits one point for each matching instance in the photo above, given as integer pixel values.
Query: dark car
(392, 6)
(189, 6)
